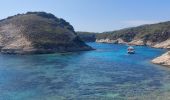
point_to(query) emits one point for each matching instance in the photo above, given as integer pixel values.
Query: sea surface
(107, 73)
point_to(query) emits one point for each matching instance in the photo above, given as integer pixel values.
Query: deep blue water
(107, 73)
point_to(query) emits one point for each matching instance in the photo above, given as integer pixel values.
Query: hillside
(155, 35)
(38, 32)
(87, 36)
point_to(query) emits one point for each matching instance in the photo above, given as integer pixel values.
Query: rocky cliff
(38, 32)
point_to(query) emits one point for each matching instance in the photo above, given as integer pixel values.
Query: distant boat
(130, 50)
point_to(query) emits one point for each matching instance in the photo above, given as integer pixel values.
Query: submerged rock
(38, 32)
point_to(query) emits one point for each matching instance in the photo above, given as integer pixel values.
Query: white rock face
(164, 44)
(137, 42)
(163, 60)
(121, 41)
(106, 41)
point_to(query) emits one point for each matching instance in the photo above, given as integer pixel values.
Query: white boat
(130, 50)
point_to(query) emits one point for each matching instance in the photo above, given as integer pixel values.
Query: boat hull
(131, 52)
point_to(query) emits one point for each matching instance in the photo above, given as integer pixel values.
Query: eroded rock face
(154, 35)
(106, 41)
(117, 41)
(38, 32)
(164, 44)
(163, 60)
(137, 42)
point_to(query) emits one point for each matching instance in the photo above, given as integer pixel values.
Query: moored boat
(130, 50)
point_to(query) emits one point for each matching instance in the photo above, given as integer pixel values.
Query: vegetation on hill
(153, 33)
(87, 36)
(38, 32)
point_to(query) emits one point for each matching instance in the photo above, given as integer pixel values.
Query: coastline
(163, 59)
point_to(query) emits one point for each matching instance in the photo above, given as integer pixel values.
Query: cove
(106, 73)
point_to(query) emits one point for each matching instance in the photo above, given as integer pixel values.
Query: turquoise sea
(107, 73)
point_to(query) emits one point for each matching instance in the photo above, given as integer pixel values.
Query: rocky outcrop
(164, 44)
(137, 42)
(117, 41)
(106, 41)
(121, 41)
(38, 32)
(163, 59)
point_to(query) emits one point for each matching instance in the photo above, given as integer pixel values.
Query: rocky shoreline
(41, 32)
(137, 42)
(162, 60)
(117, 41)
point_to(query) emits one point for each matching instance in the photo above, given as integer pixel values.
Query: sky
(94, 15)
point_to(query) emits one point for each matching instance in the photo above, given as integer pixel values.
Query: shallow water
(107, 73)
